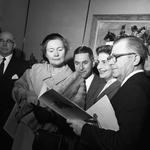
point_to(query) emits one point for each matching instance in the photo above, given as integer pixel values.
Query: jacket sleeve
(23, 88)
(132, 112)
(21, 92)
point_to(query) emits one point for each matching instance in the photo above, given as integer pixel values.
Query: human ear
(14, 46)
(137, 60)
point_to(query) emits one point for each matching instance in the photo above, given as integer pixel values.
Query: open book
(62, 105)
(102, 109)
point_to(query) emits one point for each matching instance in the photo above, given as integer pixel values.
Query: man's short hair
(84, 49)
(137, 45)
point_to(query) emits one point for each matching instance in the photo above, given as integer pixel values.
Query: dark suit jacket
(132, 108)
(110, 91)
(95, 88)
(16, 66)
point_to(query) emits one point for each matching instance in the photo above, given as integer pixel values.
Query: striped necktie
(2, 67)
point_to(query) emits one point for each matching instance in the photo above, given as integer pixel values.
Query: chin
(59, 65)
(115, 75)
(83, 76)
(102, 75)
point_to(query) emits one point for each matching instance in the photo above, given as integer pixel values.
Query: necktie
(2, 67)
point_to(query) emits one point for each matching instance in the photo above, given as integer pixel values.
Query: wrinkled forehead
(7, 36)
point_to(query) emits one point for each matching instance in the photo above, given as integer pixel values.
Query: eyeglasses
(8, 42)
(114, 57)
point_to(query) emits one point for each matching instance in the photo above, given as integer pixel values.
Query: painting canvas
(104, 25)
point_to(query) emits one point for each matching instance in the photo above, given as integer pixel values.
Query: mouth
(113, 68)
(4, 48)
(57, 59)
(102, 71)
(81, 71)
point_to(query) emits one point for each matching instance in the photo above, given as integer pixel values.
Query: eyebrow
(81, 61)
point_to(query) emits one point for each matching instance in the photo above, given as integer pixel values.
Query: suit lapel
(95, 87)
(108, 90)
(9, 70)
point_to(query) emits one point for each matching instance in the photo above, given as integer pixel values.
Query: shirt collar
(7, 57)
(130, 75)
(89, 80)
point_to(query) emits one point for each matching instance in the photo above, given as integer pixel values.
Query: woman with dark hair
(105, 71)
(53, 37)
(55, 73)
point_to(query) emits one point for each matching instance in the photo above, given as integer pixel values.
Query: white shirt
(88, 81)
(6, 62)
(131, 74)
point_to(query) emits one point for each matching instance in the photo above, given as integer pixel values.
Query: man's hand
(76, 125)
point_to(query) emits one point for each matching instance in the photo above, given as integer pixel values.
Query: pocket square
(15, 76)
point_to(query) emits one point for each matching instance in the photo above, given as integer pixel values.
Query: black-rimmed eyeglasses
(114, 57)
(9, 42)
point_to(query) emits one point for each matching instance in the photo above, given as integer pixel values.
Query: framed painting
(107, 27)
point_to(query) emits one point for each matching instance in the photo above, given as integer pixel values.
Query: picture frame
(101, 24)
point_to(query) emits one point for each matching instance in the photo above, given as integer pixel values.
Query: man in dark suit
(13, 69)
(84, 64)
(131, 103)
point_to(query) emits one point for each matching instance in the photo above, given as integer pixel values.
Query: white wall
(12, 19)
(66, 17)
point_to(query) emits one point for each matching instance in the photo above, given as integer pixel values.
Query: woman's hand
(32, 98)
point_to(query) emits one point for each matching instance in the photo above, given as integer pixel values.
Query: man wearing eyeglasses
(131, 103)
(11, 69)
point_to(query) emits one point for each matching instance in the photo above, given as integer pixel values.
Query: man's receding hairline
(8, 33)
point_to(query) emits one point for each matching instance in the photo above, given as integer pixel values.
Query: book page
(63, 106)
(44, 88)
(105, 113)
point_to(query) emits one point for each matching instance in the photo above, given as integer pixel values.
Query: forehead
(103, 56)
(82, 57)
(54, 43)
(6, 36)
(120, 47)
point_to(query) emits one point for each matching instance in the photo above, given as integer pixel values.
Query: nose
(5, 43)
(110, 62)
(81, 67)
(56, 53)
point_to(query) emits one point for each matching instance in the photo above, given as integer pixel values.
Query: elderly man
(131, 103)
(11, 68)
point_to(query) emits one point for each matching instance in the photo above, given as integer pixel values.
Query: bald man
(13, 69)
